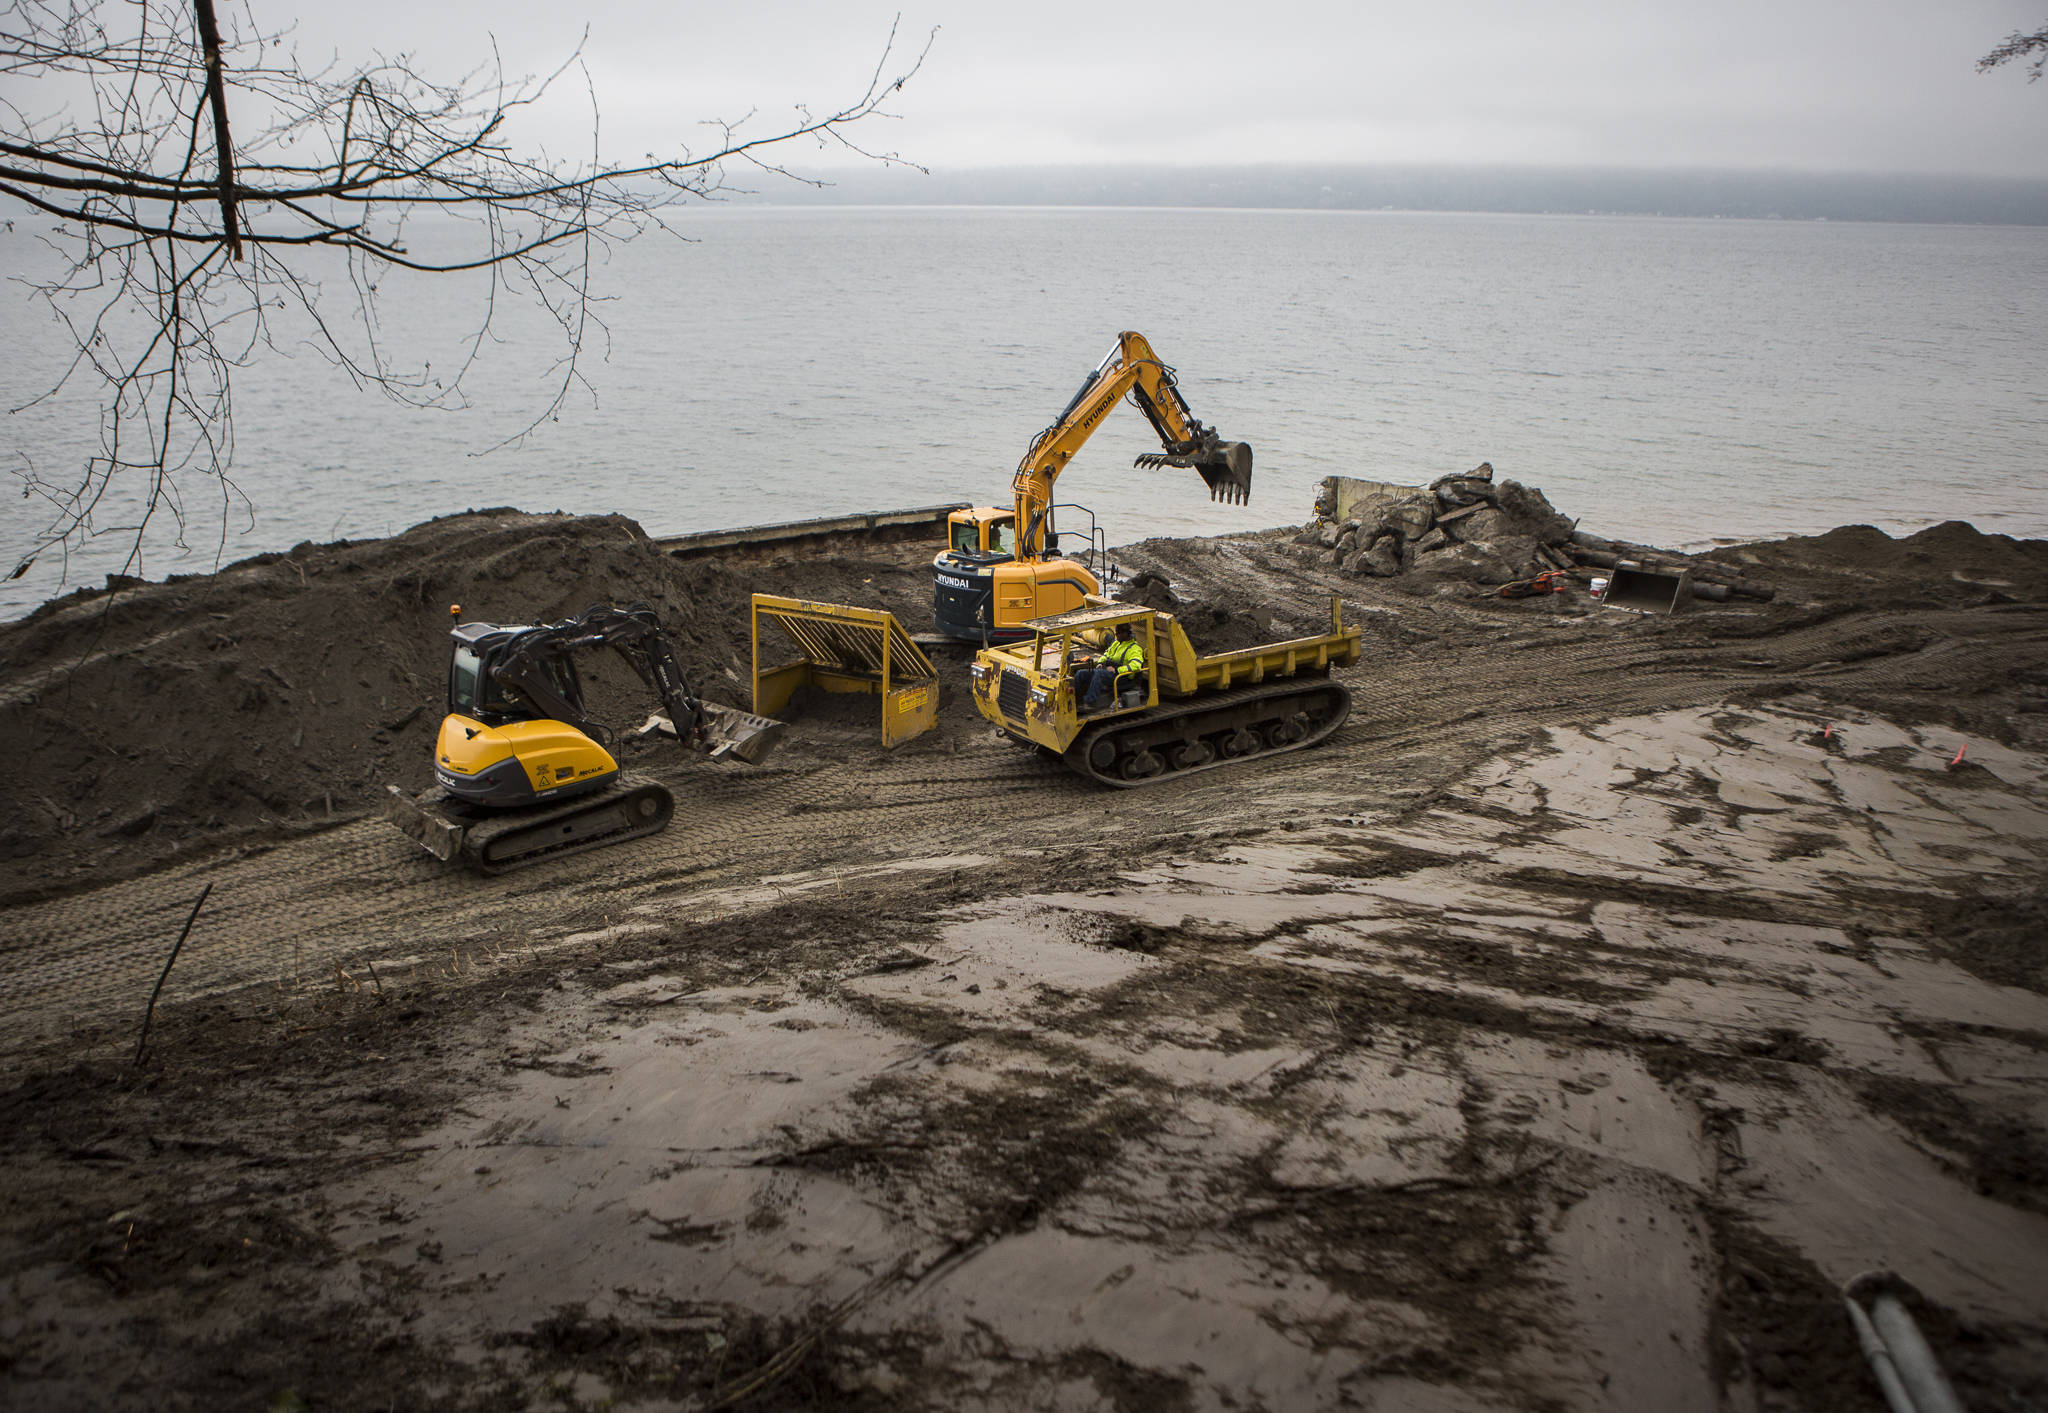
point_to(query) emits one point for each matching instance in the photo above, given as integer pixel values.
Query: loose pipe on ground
(1899, 1356)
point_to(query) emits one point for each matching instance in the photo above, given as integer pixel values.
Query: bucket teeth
(1226, 466)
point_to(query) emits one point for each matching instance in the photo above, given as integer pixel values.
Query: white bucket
(1599, 588)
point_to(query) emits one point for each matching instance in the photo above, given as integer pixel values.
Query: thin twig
(142, 1045)
(785, 1361)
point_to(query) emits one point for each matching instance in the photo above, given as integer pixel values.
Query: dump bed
(1183, 671)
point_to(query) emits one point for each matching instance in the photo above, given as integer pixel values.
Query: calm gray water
(1675, 381)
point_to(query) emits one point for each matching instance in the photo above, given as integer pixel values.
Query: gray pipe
(1915, 1362)
(1880, 1361)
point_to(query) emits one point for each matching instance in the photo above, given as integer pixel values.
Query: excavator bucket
(1228, 470)
(1226, 466)
(732, 734)
(729, 733)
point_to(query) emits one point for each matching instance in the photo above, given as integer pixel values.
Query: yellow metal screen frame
(843, 648)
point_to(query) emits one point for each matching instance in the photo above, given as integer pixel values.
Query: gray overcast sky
(1879, 85)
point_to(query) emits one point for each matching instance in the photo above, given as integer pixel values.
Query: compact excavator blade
(1226, 466)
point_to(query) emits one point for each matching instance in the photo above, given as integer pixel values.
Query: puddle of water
(1001, 962)
(1186, 1174)
(1615, 795)
(1240, 1074)
(629, 1178)
(1373, 1121)
(1210, 905)
(1633, 1263)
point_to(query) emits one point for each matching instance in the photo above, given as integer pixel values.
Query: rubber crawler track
(1285, 699)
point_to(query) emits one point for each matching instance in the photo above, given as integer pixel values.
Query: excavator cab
(986, 530)
(473, 690)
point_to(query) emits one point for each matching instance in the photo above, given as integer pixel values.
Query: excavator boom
(1129, 368)
(1003, 568)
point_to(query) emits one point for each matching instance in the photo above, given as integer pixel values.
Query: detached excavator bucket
(1226, 466)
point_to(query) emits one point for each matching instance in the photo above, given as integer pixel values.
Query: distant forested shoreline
(1751, 195)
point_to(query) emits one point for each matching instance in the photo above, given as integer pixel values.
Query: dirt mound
(1228, 628)
(1216, 625)
(1940, 561)
(287, 689)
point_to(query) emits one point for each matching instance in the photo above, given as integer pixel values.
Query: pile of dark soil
(1950, 562)
(1214, 625)
(287, 690)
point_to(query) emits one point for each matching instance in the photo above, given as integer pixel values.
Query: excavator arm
(1130, 368)
(526, 671)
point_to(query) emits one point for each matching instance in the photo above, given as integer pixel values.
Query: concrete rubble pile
(1468, 527)
(1464, 526)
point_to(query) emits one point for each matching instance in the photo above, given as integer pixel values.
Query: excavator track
(498, 841)
(1229, 728)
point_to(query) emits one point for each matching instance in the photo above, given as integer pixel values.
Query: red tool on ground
(1548, 582)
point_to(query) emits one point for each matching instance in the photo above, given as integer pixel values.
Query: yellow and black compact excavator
(1002, 568)
(521, 772)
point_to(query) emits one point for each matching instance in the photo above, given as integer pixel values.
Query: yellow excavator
(1001, 567)
(521, 771)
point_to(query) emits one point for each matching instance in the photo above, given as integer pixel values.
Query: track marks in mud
(1144, 1126)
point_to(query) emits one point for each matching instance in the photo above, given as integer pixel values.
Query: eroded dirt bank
(1562, 1034)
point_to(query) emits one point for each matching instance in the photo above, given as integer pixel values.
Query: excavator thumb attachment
(1226, 466)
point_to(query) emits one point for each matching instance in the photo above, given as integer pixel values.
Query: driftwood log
(1716, 576)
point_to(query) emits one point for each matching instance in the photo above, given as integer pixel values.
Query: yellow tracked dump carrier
(1180, 712)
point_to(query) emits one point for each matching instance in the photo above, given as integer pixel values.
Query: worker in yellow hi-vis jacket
(1123, 658)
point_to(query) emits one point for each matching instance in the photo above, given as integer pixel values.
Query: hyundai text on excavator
(521, 771)
(1002, 568)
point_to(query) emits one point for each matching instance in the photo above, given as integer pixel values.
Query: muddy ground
(1564, 1033)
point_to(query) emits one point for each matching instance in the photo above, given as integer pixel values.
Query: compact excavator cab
(986, 530)
(471, 689)
(496, 750)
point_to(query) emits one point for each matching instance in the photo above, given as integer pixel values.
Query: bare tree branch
(2019, 46)
(179, 257)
